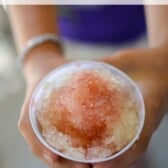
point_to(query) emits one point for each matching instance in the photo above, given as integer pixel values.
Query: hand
(148, 68)
(38, 64)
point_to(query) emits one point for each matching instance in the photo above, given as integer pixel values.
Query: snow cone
(87, 111)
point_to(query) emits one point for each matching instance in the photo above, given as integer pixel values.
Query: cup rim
(113, 156)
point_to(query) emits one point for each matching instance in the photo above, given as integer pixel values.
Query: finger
(122, 161)
(35, 145)
(130, 156)
(37, 148)
(135, 152)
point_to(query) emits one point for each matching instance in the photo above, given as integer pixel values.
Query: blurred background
(14, 151)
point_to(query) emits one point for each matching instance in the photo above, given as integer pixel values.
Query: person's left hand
(148, 68)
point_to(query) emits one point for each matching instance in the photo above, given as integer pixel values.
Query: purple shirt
(102, 24)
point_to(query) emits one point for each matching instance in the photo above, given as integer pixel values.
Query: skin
(147, 67)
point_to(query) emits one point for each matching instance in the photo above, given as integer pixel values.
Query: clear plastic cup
(60, 76)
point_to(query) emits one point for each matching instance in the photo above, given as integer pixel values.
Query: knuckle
(142, 150)
(20, 125)
(34, 150)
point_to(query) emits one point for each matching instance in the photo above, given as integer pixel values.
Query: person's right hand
(39, 63)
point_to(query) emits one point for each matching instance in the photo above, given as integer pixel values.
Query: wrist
(42, 59)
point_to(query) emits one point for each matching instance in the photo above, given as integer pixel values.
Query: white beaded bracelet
(36, 41)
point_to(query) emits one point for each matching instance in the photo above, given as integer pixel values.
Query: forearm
(28, 22)
(157, 24)
(31, 21)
